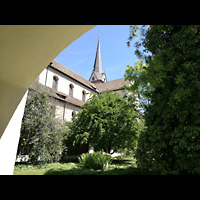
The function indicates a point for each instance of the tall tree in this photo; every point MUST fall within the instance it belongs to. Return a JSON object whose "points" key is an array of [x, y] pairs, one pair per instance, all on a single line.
{"points": [[41, 134], [106, 122], [171, 141]]}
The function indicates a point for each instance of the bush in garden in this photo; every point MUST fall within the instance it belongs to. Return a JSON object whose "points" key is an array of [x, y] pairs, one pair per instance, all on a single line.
{"points": [[95, 160]]}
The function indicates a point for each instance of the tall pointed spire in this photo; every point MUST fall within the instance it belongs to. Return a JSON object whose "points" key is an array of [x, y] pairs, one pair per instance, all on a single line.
{"points": [[97, 74], [98, 63]]}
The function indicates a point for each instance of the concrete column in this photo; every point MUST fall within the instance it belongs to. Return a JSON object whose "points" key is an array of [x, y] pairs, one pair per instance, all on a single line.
{"points": [[10, 139]]}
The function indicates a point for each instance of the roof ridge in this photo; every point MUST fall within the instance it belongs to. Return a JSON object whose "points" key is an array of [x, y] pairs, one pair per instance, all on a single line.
{"points": [[70, 70], [114, 80], [72, 74], [112, 85]]}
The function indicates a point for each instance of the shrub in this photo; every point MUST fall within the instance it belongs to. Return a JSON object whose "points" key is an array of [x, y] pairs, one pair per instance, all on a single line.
{"points": [[95, 161]]}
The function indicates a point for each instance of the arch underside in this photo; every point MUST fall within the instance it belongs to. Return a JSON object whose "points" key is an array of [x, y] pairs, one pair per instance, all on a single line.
{"points": [[25, 51]]}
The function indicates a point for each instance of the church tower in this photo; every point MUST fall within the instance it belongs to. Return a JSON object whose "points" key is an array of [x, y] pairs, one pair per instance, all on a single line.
{"points": [[98, 76]]}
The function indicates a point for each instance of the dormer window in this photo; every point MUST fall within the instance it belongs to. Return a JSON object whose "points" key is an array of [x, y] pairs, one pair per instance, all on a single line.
{"points": [[71, 89], [61, 96]]}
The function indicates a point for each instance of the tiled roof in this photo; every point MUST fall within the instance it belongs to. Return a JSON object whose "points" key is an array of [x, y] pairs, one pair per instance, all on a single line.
{"points": [[68, 98], [57, 95], [112, 85], [56, 65]]}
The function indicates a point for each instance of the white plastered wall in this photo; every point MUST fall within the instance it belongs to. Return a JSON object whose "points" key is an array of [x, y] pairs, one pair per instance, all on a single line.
{"points": [[63, 83]]}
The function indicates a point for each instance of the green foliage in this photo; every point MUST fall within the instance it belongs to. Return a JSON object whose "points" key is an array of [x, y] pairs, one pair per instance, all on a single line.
{"points": [[141, 87], [41, 134], [133, 33], [170, 144], [95, 160], [124, 165], [106, 122]]}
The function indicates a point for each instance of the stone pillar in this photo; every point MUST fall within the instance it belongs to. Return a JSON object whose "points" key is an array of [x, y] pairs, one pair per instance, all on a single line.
{"points": [[10, 139]]}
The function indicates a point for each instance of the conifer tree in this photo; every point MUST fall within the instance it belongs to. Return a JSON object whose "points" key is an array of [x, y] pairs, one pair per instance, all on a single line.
{"points": [[41, 134]]}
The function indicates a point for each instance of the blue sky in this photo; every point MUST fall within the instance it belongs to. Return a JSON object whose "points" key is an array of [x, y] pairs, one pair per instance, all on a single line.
{"points": [[115, 55]]}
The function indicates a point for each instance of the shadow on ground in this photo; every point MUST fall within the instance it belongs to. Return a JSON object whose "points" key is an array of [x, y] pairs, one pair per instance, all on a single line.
{"points": [[122, 162], [84, 171]]}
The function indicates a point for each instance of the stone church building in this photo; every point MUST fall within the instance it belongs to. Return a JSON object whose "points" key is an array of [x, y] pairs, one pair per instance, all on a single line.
{"points": [[69, 91]]}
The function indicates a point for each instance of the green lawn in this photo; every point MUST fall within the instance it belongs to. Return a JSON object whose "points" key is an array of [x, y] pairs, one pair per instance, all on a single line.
{"points": [[120, 166]]}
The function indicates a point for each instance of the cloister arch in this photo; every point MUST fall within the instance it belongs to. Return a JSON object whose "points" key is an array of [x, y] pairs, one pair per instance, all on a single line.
{"points": [[25, 50]]}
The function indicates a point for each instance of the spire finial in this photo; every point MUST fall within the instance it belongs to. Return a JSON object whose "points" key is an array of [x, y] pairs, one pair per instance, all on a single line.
{"points": [[99, 35]]}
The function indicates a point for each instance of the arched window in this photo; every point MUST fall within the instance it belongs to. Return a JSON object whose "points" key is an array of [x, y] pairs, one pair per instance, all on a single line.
{"points": [[73, 113], [71, 88], [55, 82], [83, 95]]}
